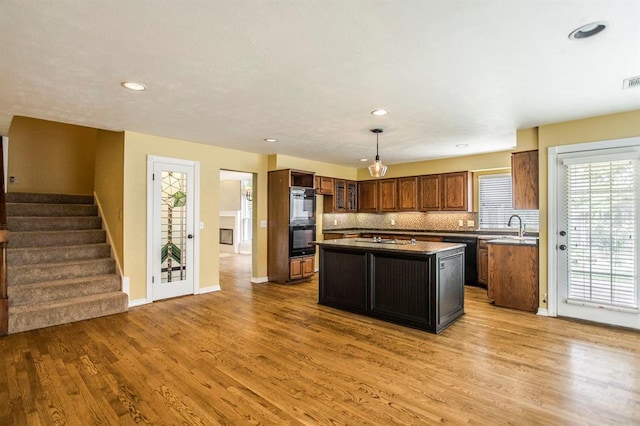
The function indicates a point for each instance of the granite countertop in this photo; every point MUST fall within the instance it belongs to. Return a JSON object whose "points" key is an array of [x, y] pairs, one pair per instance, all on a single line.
{"points": [[478, 234], [514, 241], [390, 245]]}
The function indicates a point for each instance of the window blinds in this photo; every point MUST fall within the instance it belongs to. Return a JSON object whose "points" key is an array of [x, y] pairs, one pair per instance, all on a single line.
{"points": [[495, 204], [601, 219]]}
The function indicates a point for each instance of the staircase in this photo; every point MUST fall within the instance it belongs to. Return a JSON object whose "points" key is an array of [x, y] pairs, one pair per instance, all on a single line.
{"points": [[59, 264]]}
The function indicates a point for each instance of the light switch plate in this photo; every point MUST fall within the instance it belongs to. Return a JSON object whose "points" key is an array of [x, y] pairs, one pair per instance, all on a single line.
{"points": [[471, 223], [461, 222], [263, 224]]}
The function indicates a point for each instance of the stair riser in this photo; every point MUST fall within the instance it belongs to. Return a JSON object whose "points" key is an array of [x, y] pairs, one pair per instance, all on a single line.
{"points": [[23, 197], [112, 303], [40, 273], [56, 238], [16, 224], [35, 255], [48, 292], [28, 209]]}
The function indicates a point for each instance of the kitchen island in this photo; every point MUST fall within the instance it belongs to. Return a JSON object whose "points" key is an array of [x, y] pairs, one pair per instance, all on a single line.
{"points": [[417, 284]]}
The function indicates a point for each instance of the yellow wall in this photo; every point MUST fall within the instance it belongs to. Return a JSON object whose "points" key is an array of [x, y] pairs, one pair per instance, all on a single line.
{"points": [[322, 169], [495, 160], [50, 157], [230, 195], [606, 127], [109, 185], [212, 159]]}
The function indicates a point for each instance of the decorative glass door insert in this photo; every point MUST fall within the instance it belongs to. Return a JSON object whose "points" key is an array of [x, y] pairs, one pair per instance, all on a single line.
{"points": [[173, 252]]}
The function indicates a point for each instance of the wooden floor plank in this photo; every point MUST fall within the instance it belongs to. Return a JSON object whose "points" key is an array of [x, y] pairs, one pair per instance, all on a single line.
{"points": [[269, 354]]}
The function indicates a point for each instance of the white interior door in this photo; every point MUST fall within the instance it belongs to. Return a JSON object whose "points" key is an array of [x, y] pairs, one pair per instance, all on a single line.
{"points": [[173, 228], [597, 236]]}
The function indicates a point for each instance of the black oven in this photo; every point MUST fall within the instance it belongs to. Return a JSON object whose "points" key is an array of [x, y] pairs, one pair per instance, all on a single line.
{"points": [[299, 239], [302, 206]]}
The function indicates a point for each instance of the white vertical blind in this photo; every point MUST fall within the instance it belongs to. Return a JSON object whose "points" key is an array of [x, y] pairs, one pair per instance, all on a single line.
{"points": [[601, 218], [495, 201]]}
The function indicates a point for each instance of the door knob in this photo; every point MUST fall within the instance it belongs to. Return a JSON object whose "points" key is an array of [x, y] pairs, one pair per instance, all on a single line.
{"points": [[190, 236], [562, 247]]}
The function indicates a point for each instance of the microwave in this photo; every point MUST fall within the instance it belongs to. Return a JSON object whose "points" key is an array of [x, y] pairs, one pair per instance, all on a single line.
{"points": [[302, 206]]}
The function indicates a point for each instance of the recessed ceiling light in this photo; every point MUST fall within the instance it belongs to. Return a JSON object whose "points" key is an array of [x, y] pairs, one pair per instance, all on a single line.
{"points": [[132, 85], [379, 112], [270, 140], [462, 145], [588, 30], [364, 159]]}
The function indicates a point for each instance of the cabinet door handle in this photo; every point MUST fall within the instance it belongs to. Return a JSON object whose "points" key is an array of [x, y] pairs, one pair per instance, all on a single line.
{"points": [[441, 264]]}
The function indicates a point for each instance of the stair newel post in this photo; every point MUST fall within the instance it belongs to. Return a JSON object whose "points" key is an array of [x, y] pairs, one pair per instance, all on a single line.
{"points": [[4, 238]]}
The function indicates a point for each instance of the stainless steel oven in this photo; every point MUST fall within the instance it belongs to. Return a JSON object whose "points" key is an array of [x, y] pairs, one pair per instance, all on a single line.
{"points": [[299, 238], [302, 206]]}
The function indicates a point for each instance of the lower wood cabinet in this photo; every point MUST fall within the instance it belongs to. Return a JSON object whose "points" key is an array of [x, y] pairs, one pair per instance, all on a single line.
{"points": [[483, 262], [513, 276], [301, 267]]}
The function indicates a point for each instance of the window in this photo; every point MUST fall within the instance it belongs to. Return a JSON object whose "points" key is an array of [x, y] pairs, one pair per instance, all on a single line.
{"points": [[495, 204], [601, 225]]}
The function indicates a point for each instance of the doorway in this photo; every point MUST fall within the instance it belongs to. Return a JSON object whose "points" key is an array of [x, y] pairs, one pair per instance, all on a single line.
{"points": [[172, 258], [593, 232], [236, 223]]}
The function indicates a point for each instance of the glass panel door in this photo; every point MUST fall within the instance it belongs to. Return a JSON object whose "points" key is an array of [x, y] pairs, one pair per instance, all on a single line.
{"points": [[173, 230]]}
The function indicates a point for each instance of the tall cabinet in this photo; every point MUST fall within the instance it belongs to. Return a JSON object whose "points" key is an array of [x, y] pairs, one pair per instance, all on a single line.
{"points": [[283, 268]]}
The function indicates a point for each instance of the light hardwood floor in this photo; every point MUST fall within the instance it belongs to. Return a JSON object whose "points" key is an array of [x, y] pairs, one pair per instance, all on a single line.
{"points": [[268, 354]]}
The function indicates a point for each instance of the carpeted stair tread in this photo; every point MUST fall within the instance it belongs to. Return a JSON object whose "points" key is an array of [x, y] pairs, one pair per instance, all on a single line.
{"points": [[38, 255], [49, 291], [42, 198], [45, 314], [48, 223], [37, 209], [26, 274], [56, 238]]}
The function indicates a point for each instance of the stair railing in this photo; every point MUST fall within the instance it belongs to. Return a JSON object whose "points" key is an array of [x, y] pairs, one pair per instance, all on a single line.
{"points": [[4, 239]]}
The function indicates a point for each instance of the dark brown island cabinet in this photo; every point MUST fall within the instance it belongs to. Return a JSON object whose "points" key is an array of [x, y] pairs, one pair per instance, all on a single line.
{"points": [[417, 284]]}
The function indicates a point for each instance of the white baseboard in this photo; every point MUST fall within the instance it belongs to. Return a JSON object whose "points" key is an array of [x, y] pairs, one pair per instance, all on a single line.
{"points": [[138, 302], [209, 289], [126, 286], [259, 280], [543, 312]]}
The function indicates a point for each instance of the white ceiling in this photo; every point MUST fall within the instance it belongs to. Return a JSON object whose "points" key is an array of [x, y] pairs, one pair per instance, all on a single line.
{"points": [[309, 72]]}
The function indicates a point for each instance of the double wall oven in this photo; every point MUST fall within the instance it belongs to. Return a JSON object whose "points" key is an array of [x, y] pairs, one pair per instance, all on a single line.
{"points": [[302, 221]]}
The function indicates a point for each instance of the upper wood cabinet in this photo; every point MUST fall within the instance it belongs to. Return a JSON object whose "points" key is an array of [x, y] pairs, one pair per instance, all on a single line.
{"points": [[368, 196], [456, 191], [352, 196], [345, 197], [408, 194], [524, 175], [324, 185], [429, 193], [388, 195], [339, 196]]}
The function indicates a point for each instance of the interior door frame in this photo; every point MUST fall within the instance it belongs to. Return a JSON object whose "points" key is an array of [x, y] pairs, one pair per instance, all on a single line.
{"points": [[151, 160], [553, 207]]}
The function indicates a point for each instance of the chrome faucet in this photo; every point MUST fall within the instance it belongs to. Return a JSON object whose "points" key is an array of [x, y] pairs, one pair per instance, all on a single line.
{"points": [[521, 227]]}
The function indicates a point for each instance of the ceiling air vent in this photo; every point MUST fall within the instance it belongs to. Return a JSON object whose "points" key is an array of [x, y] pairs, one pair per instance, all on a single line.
{"points": [[629, 83]]}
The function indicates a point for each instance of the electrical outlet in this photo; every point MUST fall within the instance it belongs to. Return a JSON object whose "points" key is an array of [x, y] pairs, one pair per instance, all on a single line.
{"points": [[335, 221], [471, 223], [393, 221], [263, 223], [461, 222], [13, 179]]}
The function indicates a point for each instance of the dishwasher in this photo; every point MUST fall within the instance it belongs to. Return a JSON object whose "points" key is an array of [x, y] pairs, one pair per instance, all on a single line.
{"points": [[470, 256]]}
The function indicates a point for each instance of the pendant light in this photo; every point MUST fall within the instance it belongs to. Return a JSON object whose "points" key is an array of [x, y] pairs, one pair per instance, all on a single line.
{"points": [[377, 169]]}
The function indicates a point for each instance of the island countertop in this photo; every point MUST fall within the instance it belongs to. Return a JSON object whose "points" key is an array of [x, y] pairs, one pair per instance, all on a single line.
{"points": [[390, 245]]}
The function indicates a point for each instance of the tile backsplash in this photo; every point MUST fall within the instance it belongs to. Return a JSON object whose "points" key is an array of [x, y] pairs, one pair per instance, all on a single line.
{"points": [[433, 221]]}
